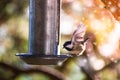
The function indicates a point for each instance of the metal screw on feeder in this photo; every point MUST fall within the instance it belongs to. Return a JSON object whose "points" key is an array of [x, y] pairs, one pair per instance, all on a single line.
{"points": [[43, 33]]}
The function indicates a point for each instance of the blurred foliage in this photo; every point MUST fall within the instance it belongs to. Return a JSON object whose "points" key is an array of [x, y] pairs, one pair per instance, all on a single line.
{"points": [[11, 8], [32, 77], [14, 39]]}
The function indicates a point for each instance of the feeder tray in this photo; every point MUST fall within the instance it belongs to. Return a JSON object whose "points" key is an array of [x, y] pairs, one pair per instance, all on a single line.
{"points": [[43, 60]]}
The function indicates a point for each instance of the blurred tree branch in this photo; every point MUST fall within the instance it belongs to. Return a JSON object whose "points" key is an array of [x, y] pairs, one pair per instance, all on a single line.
{"points": [[52, 73]]}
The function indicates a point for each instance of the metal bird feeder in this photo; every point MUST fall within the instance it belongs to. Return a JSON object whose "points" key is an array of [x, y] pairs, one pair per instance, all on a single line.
{"points": [[43, 33]]}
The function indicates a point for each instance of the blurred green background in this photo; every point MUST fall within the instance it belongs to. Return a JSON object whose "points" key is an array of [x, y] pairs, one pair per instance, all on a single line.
{"points": [[14, 27]]}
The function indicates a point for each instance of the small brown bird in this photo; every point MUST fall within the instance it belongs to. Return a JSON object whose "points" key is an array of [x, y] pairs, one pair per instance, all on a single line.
{"points": [[77, 45]]}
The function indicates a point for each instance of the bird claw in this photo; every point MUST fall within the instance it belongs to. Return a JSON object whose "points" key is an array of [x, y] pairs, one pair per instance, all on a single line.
{"points": [[83, 48]]}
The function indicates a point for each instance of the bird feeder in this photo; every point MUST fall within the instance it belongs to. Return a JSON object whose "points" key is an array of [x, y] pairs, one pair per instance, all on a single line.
{"points": [[44, 33]]}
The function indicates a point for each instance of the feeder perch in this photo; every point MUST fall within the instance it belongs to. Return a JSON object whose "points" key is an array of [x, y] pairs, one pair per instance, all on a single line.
{"points": [[43, 33]]}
